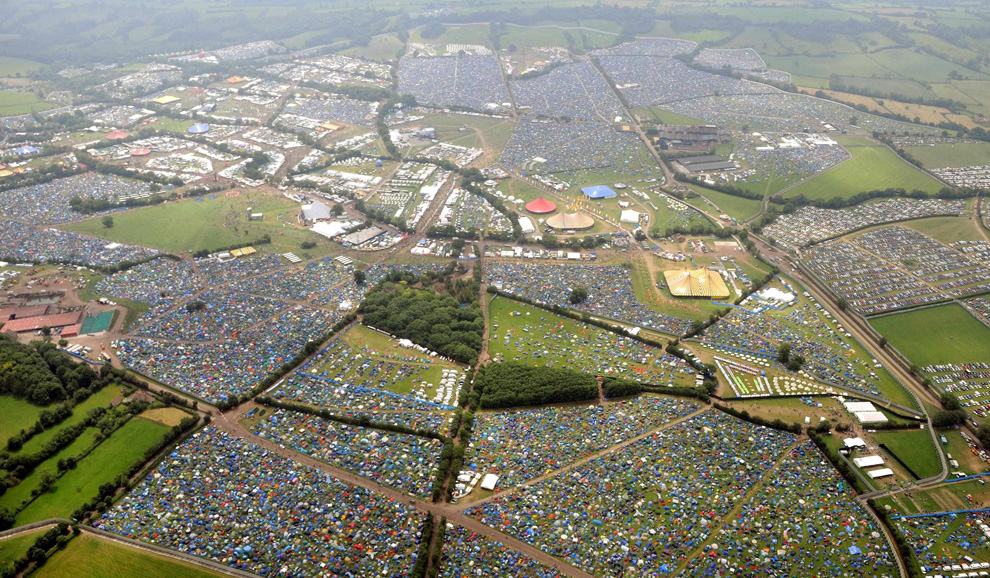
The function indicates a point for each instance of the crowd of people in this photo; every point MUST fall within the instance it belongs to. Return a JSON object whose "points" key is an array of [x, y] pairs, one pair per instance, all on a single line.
{"points": [[553, 146], [468, 81], [403, 461], [218, 497], [646, 507], [574, 91], [806, 521], [609, 289], [48, 203], [24, 243], [810, 225], [467, 553], [512, 444], [539, 337]]}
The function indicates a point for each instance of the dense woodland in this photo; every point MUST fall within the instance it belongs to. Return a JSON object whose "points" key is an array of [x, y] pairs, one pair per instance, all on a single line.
{"points": [[516, 384], [437, 322], [41, 374]]}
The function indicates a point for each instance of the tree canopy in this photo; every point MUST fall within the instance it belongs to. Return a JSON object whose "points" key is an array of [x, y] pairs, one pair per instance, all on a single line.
{"points": [[437, 322]]}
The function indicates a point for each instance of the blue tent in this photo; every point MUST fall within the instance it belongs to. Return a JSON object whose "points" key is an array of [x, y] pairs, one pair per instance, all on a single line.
{"points": [[599, 192], [26, 150], [855, 550], [199, 128]]}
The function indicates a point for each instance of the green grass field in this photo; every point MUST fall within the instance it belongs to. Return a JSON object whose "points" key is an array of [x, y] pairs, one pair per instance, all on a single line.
{"points": [[10, 66], [383, 48], [14, 548], [209, 223], [113, 457], [17, 415], [96, 557], [471, 131], [736, 207], [914, 447], [14, 498], [14, 103], [951, 155], [943, 334], [948, 229], [871, 167]]}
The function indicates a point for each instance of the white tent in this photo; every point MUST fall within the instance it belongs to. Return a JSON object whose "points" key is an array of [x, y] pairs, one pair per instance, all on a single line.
{"points": [[629, 216], [867, 417], [868, 461], [489, 481], [881, 473], [851, 443], [859, 406]]}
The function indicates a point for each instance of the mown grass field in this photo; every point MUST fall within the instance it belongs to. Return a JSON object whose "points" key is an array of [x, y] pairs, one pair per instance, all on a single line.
{"points": [[534, 36], [373, 344], [943, 334], [113, 457], [951, 155], [948, 229], [914, 448], [872, 167], [95, 557], [209, 223], [17, 415]]}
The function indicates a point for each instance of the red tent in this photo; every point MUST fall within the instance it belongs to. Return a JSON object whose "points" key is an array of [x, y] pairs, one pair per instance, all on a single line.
{"points": [[541, 206]]}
